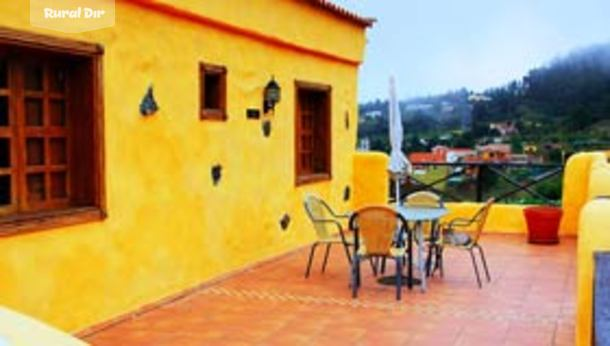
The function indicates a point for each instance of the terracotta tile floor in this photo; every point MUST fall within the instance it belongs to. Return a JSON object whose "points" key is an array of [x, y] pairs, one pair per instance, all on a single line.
{"points": [[530, 301]]}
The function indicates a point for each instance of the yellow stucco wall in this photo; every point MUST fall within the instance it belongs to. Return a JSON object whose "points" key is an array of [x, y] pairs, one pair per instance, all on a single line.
{"points": [[599, 179], [371, 187], [576, 189], [370, 179], [593, 236], [502, 218], [273, 18], [168, 227]]}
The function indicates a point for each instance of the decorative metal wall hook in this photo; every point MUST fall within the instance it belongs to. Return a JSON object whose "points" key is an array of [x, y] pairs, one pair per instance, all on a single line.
{"points": [[347, 193], [266, 125], [216, 174], [148, 106], [285, 221], [347, 120]]}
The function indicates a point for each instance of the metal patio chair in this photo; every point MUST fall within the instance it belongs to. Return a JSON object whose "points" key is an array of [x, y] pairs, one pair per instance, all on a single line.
{"points": [[378, 233], [454, 236], [329, 229], [427, 199]]}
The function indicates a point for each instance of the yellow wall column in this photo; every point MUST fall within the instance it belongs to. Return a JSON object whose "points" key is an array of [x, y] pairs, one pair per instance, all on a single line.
{"points": [[575, 190], [370, 179], [593, 236], [599, 179]]}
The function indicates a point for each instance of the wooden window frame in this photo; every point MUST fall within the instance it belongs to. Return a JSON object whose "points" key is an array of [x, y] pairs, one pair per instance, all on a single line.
{"points": [[218, 114], [23, 222], [300, 178]]}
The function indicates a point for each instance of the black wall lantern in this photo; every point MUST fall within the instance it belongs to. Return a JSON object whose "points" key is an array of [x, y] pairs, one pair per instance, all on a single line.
{"points": [[272, 95]]}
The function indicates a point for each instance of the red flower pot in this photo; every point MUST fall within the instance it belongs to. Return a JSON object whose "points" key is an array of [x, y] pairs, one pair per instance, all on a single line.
{"points": [[543, 224]]}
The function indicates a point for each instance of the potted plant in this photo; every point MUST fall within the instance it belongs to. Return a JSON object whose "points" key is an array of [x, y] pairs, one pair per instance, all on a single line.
{"points": [[543, 224]]}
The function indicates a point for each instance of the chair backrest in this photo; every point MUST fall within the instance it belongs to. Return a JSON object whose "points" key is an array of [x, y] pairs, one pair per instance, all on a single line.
{"points": [[319, 213], [480, 218], [375, 227], [424, 199]]}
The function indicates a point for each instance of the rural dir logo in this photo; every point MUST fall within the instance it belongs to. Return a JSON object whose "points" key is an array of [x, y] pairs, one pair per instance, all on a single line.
{"points": [[51, 13], [72, 15]]}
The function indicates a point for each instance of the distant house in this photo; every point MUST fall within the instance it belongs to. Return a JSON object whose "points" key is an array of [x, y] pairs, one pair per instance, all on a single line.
{"points": [[474, 98], [494, 152], [441, 154], [505, 128], [453, 155], [373, 114], [418, 158], [422, 107]]}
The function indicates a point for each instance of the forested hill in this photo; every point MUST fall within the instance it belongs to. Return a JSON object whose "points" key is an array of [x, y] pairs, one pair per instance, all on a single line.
{"points": [[567, 101], [564, 104]]}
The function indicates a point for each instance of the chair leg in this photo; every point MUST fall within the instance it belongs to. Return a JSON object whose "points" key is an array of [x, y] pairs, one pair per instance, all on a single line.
{"points": [[484, 262], [383, 265], [311, 254], [326, 257], [441, 261], [358, 277], [429, 260], [349, 256], [476, 268], [398, 278], [354, 277], [374, 265]]}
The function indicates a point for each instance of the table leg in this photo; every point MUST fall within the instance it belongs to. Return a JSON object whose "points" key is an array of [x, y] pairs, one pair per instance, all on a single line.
{"points": [[410, 259], [420, 255]]}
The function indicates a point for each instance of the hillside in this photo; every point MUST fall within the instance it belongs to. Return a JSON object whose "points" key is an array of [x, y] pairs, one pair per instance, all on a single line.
{"points": [[564, 105]]}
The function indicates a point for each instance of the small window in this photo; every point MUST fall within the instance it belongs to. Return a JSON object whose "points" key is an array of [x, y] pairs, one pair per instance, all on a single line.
{"points": [[213, 92], [313, 137]]}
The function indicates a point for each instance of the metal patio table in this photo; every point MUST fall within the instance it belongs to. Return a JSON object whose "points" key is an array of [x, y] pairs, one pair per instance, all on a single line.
{"points": [[417, 216]]}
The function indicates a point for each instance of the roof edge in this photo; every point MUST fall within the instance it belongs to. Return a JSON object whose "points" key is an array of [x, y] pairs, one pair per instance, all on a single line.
{"points": [[343, 13]]}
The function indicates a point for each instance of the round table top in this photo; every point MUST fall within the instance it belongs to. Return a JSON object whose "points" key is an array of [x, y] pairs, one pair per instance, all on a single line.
{"points": [[421, 213]]}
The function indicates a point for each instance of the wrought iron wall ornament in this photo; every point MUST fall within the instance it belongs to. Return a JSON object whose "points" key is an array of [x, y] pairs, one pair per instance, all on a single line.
{"points": [[216, 174], [253, 113], [148, 106], [266, 125], [347, 120], [285, 221]]}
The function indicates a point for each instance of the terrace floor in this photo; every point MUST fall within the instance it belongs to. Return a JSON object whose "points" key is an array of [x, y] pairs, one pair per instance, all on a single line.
{"points": [[530, 301]]}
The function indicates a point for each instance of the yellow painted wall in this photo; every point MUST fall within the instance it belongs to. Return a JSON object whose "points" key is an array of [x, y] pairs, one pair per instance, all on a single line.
{"points": [[593, 236], [371, 187], [370, 179], [599, 179], [168, 227], [272, 17], [502, 218], [576, 189]]}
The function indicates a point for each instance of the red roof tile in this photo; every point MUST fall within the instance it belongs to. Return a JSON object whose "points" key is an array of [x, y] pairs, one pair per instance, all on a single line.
{"points": [[342, 12], [419, 157]]}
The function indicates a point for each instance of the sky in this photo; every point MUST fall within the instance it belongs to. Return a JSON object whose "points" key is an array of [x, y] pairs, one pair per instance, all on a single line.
{"points": [[432, 46]]}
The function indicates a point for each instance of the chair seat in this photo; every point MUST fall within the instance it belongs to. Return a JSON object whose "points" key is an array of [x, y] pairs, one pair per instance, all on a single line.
{"points": [[456, 238], [394, 252]]}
